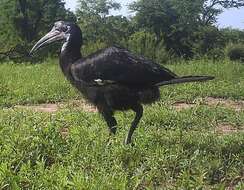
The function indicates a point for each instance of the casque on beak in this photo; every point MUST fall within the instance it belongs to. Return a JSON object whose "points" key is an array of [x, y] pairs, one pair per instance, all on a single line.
{"points": [[49, 38]]}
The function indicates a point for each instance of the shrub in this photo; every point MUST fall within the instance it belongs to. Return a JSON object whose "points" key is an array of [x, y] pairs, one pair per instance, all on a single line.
{"points": [[143, 43], [216, 54], [146, 44], [208, 42], [92, 47], [236, 52]]}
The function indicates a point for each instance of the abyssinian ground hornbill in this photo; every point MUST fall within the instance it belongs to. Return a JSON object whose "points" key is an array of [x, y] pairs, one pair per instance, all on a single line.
{"points": [[113, 78]]}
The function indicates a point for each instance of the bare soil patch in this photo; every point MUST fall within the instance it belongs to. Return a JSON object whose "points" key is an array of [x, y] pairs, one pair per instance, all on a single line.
{"points": [[226, 128], [48, 108], [179, 106], [183, 105], [82, 104], [55, 107], [214, 102], [64, 132], [236, 105]]}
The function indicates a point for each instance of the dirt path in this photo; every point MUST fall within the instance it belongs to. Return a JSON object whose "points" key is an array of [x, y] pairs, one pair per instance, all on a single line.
{"points": [[226, 128], [83, 105], [221, 128], [213, 102], [55, 107]]}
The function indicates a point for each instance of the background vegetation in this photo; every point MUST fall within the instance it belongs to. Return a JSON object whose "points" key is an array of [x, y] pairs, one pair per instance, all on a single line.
{"points": [[159, 29]]}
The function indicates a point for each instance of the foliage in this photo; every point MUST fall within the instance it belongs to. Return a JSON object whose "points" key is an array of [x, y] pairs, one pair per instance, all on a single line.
{"points": [[102, 8], [145, 44], [208, 41], [8, 34], [91, 47], [177, 21], [236, 52], [24, 21], [216, 54], [234, 36], [98, 25], [167, 20], [160, 29]]}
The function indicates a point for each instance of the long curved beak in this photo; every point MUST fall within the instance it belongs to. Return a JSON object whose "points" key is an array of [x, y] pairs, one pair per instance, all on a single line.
{"points": [[49, 38]]}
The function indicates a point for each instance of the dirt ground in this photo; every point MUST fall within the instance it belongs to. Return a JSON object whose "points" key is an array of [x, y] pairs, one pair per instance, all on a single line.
{"points": [[55, 107], [221, 128], [83, 105], [214, 102]]}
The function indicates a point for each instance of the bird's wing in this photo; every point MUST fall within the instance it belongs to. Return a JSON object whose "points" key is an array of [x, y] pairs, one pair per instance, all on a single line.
{"points": [[118, 65]]}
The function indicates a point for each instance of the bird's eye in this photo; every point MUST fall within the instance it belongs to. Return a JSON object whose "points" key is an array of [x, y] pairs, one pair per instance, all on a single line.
{"points": [[61, 28], [64, 28]]}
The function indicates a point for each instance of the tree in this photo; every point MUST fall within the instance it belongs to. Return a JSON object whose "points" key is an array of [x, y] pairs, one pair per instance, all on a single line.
{"points": [[171, 20], [178, 22], [212, 8], [25, 21], [234, 36], [101, 8], [98, 25]]}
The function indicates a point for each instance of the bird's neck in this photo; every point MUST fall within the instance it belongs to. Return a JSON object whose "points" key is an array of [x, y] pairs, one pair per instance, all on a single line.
{"points": [[69, 55]]}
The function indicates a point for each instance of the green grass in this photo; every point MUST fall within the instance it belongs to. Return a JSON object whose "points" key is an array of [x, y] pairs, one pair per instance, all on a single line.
{"points": [[28, 84], [173, 149], [43, 83]]}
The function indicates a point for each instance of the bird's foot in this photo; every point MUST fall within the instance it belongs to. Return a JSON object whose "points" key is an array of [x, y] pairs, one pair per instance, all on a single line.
{"points": [[128, 142], [111, 139]]}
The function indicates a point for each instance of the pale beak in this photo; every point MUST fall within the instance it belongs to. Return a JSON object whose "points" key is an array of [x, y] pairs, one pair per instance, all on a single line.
{"points": [[49, 38]]}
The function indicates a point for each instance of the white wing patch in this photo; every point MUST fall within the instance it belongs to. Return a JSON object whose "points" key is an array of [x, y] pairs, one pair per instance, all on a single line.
{"points": [[101, 82]]}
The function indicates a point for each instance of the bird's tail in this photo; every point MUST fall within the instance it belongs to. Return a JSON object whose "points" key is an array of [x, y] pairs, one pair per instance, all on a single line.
{"points": [[185, 79]]}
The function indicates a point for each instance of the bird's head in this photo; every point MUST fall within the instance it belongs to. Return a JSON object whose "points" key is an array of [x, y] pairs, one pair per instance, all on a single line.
{"points": [[66, 32]]}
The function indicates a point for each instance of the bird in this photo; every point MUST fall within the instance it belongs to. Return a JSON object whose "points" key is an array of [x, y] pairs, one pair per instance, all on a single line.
{"points": [[113, 79]]}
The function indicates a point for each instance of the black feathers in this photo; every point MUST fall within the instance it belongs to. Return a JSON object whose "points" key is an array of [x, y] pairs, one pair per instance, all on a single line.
{"points": [[112, 78], [120, 66]]}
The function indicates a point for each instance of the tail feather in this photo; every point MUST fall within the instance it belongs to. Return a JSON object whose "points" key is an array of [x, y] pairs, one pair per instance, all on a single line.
{"points": [[185, 79]]}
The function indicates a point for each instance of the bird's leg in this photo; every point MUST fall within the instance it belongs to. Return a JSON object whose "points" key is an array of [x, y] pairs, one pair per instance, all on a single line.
{"points": [[110, 120], [112, 123], [139, 111]]}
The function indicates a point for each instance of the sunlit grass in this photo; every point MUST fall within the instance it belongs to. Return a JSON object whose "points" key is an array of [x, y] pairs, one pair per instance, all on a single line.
{"points": [[28, 84], [69, 150]]}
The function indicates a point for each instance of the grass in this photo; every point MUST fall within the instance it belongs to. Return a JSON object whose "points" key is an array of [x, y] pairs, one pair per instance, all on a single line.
{"points": [[173, 149]]}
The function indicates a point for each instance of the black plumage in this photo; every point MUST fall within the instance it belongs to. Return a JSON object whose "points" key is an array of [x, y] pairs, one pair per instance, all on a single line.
{"points": [[113, 78]]}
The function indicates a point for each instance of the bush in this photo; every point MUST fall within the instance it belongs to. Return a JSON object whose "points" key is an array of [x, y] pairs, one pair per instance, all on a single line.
{"points": [[92, 47], [233, 35], [216, 54], [236, 52], [209, 42], [143, 43], [146, 44]]}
